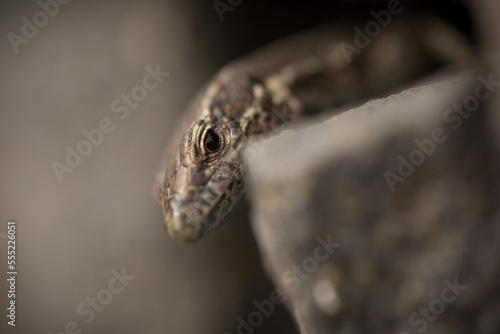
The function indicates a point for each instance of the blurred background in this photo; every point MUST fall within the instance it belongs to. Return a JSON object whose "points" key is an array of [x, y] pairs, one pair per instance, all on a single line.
{"points": [[76, 233]]}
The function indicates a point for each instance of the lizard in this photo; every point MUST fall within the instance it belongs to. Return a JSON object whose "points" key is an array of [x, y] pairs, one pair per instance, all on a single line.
{"points": [[202, 174]]}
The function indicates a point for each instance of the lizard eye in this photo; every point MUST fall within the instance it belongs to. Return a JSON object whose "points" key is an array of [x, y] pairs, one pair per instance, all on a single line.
{"points": [[212, 141]]}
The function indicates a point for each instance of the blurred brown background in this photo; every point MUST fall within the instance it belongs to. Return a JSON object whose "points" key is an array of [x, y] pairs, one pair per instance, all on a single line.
{"points": [[102, 217]]}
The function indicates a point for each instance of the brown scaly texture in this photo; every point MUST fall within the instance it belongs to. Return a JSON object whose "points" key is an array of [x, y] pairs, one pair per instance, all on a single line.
{"points": [[252, 97]]}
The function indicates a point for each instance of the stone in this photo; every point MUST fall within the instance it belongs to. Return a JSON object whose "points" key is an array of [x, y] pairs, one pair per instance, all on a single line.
{"points": [[384, 219]]}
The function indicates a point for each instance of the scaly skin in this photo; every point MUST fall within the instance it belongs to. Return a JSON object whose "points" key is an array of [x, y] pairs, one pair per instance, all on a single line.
{"points": [[202, 176], [202, 187]]}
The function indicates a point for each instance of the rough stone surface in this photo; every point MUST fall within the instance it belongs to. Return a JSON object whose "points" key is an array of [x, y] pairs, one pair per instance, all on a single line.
{"points": [[356, 253], [72, 234]]}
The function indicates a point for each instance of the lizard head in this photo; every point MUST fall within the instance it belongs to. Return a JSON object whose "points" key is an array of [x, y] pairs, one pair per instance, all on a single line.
{"points": [[205, 177], [205, 180]]}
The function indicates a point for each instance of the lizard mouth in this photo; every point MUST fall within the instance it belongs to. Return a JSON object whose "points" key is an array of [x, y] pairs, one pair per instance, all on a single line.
{"points": [[191, 215], [185, 224], [178, 224]]}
